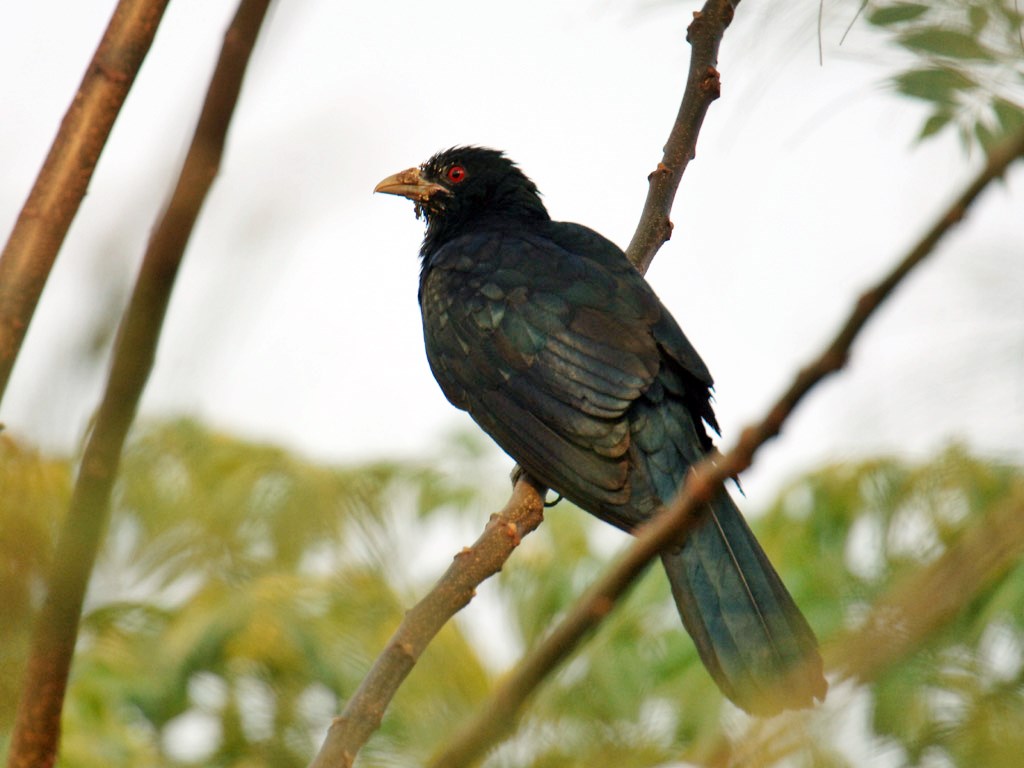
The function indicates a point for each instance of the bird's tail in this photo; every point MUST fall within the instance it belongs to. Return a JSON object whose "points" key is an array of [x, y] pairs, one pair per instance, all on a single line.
{"points": [[750, 634]]}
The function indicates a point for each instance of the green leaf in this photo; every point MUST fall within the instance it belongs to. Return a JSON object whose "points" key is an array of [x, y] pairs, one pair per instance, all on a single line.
{"points": [[946, 42], [934, 124], [894, 14], [1009, 115], [978, 17], [936, 84], [986, 138]]}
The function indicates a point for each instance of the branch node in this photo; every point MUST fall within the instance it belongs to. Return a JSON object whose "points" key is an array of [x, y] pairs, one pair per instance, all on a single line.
{"points": [[698, 17], [512, 531], [712, 82], [661, 169], [832, 361], [407, 650]]}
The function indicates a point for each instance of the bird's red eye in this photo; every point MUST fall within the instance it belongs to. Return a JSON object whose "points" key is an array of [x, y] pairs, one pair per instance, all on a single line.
{"points": [[456, 174]]}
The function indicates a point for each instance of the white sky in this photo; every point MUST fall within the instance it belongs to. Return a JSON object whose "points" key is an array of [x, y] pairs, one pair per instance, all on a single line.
{"points": [[295, 316]]}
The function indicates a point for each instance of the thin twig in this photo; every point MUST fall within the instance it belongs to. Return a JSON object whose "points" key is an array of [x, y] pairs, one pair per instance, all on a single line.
{"points": [[702, 87], [61, 184], [452, 592], [499, 713], [37, 727]]}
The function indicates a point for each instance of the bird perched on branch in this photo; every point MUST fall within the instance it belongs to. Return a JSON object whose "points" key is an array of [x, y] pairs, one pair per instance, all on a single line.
{"points": [[559, 349]]}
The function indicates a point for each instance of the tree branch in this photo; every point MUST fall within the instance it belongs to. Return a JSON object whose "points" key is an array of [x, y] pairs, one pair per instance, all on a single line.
{"points": [[499, 713], [61, 184], [37, 726], [702, 87]]}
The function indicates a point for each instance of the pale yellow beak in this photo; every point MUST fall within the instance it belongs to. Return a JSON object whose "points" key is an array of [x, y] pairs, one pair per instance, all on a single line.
{"points": [[408, 183]]}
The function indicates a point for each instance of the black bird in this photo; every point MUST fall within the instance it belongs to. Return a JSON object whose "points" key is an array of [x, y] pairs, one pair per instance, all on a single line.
{"points": [[559, 349]]}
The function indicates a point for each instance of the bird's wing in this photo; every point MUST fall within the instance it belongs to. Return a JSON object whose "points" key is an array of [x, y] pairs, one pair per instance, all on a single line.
{"points": [[546, 349], [684, 372]]}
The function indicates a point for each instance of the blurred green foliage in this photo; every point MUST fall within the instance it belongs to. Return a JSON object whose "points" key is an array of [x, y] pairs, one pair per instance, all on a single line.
{"points": [[966, 64], [243, 592], [872, 529]]}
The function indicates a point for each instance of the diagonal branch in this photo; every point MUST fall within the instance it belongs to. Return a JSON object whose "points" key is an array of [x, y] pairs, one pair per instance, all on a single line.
{"points": [[60, 187], [498, 714], [37, 727], [365, 709]]}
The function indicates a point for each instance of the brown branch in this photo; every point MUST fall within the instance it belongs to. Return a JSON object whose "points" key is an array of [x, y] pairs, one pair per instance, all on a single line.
{"points": [[452, 592], [60, 187], [364, 710], [37, 726], [702, 87], [499, 713]]}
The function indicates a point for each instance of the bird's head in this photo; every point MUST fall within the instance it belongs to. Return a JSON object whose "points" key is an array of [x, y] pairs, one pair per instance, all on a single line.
{"points": [[461, 185]]}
